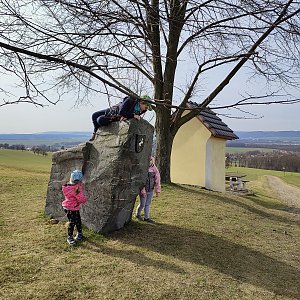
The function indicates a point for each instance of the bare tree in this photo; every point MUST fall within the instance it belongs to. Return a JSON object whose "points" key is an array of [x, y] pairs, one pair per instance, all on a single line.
{"points": [[108, 46]]}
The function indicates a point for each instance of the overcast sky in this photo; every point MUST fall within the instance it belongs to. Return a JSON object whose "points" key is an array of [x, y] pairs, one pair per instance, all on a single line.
{"points": [[26, 118]]}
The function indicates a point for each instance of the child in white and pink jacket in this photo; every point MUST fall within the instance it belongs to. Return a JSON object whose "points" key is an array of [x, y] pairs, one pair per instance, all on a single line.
{"points": [[74, 197], [146, 194]]}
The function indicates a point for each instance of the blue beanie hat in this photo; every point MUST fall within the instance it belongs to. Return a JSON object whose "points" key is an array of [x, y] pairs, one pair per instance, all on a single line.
{"points": [[76, 176]]}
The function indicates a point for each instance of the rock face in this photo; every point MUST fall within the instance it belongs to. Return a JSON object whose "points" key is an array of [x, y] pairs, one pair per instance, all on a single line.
{"points": [[115, 167]]}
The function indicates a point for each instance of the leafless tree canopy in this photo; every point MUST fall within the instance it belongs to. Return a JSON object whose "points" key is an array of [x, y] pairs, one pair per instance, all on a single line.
{"points": [[118, 47]]}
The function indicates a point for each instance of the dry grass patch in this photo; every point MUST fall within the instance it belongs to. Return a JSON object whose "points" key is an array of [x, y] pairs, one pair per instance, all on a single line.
{"points": [[205, 245]]}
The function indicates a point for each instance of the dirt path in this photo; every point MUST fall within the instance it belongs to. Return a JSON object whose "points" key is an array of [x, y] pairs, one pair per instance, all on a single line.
{"points": [[289, 195]]}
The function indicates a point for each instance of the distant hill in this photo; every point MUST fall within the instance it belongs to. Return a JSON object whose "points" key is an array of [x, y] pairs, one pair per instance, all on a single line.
{"points": [[44, 135], [278, 139], [72, 138], [46, 138], [267, 134]]}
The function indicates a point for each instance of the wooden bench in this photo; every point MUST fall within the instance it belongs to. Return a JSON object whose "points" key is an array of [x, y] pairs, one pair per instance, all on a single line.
{"points": [[236, 181], [244, 182]]}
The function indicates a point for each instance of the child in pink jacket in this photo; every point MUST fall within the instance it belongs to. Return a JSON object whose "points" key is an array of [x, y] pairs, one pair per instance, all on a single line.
{"points": [[74, 197], [146, 194]]}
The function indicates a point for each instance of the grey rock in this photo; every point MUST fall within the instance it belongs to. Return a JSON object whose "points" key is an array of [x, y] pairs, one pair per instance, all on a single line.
{"points": [[115, 167]]}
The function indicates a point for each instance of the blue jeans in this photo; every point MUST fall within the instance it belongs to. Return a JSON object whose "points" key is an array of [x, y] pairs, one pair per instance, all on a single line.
{"points": [[145, 204], [100, 118]]}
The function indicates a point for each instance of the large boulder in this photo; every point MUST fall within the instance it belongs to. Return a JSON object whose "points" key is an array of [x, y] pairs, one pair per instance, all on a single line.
{"points": [[115, 167]]}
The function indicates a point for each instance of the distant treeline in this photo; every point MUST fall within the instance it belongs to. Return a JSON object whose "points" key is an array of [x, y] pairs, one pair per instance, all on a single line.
{"points": [[277, 160], [13, 147], [43, 147], [293, 148], [40, 149]]}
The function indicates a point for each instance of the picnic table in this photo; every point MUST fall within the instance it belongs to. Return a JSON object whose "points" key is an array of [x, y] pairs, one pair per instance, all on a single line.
{"points": [[236, 181]]}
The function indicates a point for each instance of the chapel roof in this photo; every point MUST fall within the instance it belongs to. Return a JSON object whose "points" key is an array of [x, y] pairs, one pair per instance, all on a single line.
{"points": [[214, 124]]}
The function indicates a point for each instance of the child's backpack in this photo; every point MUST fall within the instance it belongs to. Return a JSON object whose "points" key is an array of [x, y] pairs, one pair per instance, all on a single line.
{"points": [[113, 112]]}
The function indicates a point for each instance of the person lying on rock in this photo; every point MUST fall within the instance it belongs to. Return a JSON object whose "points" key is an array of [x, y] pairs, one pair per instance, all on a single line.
{"points": [[131, 107]]}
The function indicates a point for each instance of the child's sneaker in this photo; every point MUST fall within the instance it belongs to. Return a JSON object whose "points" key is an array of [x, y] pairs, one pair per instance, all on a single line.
{"points": [[139, 217], [149, 221], [79, 237], [71, 240]]}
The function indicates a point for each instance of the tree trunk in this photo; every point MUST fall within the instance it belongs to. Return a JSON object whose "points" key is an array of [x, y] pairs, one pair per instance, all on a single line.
{"points": [[164, 141]]}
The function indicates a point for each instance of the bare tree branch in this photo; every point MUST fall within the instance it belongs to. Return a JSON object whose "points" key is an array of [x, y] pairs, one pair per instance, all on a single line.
{"points": [[141, 46]]}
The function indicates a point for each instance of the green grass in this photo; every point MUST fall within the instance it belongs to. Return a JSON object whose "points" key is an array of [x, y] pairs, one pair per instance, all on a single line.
{"points": [[233, 150], [25, 160], [255, 174], [205, 245]]}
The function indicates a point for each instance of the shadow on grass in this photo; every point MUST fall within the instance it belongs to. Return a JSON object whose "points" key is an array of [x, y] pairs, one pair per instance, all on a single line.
{"points": [[257, 211], [237, 261], [136, 257], [231, 201], [277, 206]]}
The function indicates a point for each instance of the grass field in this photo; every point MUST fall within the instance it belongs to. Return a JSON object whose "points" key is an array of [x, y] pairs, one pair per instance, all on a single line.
{"points": [[232, 150], [256, 174], [25, 160], [205, 245]]}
